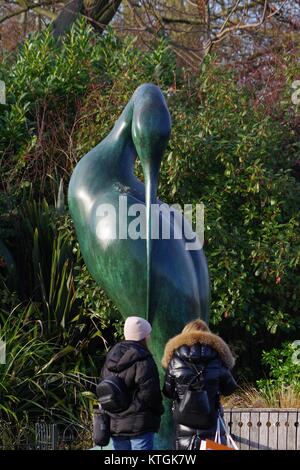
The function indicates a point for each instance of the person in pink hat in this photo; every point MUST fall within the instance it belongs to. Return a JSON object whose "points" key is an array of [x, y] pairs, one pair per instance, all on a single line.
{"points": [[131, 360]]}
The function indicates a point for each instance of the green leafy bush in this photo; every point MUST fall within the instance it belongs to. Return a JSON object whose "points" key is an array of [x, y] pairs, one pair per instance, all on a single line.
{"points": [[39, 376], [284, 370], [237, 160]]}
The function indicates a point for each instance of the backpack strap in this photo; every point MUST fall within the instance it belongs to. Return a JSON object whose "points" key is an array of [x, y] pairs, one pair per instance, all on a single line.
{"points": [[199, 373]]}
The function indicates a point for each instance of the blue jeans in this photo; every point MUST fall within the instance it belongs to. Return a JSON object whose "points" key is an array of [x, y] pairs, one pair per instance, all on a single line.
{"points": [[141, 442]]}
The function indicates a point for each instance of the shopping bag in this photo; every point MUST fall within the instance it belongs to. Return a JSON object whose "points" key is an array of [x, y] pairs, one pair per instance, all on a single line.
{"points": [[208, 444], [212, 445], [229, 439]]}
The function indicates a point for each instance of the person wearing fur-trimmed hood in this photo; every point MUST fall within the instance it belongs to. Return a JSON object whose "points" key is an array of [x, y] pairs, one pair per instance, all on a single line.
{"points": [[193, 354]]}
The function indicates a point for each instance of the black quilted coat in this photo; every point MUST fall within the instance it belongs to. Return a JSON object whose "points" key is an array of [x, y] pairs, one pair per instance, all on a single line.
{"points": [[133, 362], [200, 349]]}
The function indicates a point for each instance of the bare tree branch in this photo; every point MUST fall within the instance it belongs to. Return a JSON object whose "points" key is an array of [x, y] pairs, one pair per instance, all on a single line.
{"points": [[31, 7], [239, 27]]}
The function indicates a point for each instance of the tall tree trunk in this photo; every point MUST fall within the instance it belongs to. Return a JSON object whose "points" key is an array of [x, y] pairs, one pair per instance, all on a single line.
{"points": [[99, 13]]}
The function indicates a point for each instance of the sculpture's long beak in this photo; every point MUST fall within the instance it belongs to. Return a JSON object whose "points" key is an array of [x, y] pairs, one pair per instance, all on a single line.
{"points": [[151, 126], [151, 170]]}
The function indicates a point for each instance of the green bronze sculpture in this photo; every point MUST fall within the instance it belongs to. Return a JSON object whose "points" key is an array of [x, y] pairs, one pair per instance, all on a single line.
{"points": [[156, 278]]}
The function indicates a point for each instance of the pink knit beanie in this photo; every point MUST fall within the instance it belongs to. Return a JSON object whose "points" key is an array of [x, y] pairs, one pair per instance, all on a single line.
{"points": [[136, 329]]}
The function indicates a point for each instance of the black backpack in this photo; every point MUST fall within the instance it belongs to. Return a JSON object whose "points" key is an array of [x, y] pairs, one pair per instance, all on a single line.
{"points": [[194, 410], [113, 394]]}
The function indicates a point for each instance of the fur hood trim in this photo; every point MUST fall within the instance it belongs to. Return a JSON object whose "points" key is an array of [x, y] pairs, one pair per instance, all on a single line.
{"points": [[201, 337]]}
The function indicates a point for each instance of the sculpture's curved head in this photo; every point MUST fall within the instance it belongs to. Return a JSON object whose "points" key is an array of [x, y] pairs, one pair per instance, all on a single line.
{"points": [[151, 128]]}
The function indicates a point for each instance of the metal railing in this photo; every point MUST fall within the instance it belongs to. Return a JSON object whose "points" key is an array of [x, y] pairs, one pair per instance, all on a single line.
{"points": [[251, 428], [264, 428], [41, 435]]}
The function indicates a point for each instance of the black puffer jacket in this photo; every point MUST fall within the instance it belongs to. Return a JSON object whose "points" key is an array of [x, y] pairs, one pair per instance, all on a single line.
{"points": [[133, 362], [198, 348]]}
